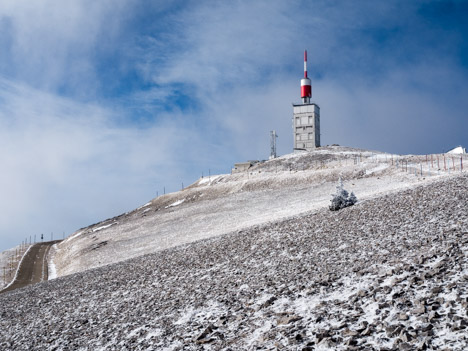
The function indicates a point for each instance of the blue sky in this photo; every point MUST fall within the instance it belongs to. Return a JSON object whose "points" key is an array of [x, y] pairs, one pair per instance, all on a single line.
{"points": [[105, 103]]}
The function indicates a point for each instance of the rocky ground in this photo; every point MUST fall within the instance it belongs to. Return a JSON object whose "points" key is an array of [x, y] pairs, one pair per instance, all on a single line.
{"points": [[390, 273]]}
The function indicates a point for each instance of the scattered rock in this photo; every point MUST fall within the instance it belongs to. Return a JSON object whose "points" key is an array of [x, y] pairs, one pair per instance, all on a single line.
{"points": [[418, 310], [402, 316]]}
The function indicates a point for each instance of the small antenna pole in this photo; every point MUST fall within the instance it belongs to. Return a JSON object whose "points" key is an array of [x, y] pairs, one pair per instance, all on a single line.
{"points": [[273, 137]]}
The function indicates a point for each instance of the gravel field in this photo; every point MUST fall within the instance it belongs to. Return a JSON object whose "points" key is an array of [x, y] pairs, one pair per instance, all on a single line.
{"points": [[390, 273]]}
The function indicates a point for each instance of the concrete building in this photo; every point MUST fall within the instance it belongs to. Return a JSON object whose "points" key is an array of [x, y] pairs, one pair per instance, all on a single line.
{"points": [[306, 126], [306, 117]]}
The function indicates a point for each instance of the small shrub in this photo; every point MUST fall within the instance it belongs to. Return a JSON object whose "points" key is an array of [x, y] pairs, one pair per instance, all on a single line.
{"points": [[341, 198]]}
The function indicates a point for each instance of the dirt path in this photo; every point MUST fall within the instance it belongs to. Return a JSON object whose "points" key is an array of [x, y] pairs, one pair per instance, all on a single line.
{"points": [[33, 267]]}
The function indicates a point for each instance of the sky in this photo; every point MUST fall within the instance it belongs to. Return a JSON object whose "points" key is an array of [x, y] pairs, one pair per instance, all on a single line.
{"points": [[106, 104]]}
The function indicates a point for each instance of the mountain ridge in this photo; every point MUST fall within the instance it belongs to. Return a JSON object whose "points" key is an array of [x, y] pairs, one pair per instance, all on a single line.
{"points": [[215, 205]]}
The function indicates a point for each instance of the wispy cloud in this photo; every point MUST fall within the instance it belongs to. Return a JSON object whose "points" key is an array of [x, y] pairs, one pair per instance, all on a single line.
{"points": [[66, 164], [55, 45]]}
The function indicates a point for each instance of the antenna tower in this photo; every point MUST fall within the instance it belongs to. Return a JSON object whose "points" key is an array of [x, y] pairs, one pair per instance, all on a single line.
{"points": [[273, 137]]}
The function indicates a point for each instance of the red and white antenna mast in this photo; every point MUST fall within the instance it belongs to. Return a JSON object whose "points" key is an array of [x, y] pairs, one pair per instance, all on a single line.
{"points": [[306, 85]]}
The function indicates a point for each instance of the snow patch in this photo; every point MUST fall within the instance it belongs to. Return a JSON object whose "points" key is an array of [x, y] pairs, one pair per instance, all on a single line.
{"points": [[209, 180], [145, 205], [186, 316], [103, 227], [51, 266], [257, 334], [74, 236], [209, 312], [177, 203]]}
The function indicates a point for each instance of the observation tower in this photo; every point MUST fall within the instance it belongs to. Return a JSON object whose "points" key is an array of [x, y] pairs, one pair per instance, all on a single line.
{"points": [[306, 117]]}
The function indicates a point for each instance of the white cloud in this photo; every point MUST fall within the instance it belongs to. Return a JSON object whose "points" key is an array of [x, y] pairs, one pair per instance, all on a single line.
{"points": [[52, 44], [418, 110], [211, 46], [66, 163]]}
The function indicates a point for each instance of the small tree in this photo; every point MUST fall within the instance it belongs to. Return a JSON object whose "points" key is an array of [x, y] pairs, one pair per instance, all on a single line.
{"points": [[341, 198]]}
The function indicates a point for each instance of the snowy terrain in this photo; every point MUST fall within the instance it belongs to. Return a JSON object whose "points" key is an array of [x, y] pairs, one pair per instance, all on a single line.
{"points": [[273, 190], [52, 271], [390, 273]]}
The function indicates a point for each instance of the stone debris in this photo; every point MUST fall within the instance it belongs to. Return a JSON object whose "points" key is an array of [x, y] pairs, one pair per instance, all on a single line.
{"points": [[389, 273]]}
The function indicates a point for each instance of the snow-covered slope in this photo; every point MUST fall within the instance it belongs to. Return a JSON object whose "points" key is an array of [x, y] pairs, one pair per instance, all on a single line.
{"points": [[273, 190], [390, 273], [9, 261]]}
